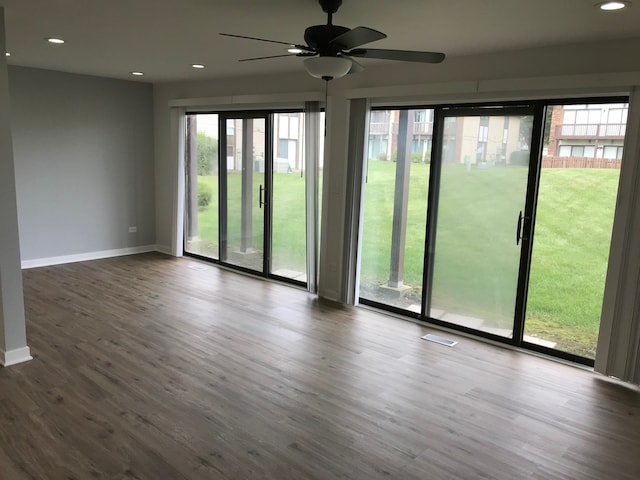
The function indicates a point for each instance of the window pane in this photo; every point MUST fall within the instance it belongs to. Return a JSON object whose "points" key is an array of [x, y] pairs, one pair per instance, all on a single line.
{"points": [[569, 116], [565, 151], [289, 249], [202, 185], [615, 115], [610, 152], [589, 151], [574, 218], [582, 116], [395, 208]]}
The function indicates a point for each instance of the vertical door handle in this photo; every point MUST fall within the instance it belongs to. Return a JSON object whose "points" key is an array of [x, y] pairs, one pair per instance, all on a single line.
{"points": [[519, 228], [260, 202]]}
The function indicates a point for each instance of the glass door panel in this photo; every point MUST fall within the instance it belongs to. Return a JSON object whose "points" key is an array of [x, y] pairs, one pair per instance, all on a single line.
{"points": [[288, 208], [395, 207], [201, 158], [482, 191], [574, 218], [243, 191]]}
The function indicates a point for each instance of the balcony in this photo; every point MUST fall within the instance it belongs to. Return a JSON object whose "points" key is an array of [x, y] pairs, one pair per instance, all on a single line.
{"points": [[423, 128], [594, 130], [378, 128], [382, 128]]}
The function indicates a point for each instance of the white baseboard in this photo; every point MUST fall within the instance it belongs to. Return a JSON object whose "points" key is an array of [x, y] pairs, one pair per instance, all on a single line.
{"points": [[13, 357], [83, 257], [163, 249]]}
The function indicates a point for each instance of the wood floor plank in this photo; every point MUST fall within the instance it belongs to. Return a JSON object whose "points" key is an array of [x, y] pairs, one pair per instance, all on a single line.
{"points": [[148, 368]]}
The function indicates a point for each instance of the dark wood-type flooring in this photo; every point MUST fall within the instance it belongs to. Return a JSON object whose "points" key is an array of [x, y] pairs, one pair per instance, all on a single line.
{"points": [[153, 367]]}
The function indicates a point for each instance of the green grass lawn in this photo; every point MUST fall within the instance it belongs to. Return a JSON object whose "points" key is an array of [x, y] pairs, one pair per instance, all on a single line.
{"points": [[476, 258], [289, 230], [570, 256]]}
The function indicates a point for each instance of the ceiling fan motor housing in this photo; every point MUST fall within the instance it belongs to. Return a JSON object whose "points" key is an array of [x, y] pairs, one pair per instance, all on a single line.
{"points": [[330, 6], [320, 36]]}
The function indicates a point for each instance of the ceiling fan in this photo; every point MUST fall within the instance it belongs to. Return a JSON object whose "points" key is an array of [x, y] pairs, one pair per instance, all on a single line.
{"points": [[330, 49]]}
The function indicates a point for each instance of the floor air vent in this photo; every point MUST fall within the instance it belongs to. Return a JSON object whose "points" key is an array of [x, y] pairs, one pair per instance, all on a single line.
{"points": [[441, 340], [197, 268]]}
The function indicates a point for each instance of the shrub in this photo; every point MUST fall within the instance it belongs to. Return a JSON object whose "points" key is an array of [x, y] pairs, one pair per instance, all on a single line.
{"points": [[416, 157], [207, 152], [204, 195]]}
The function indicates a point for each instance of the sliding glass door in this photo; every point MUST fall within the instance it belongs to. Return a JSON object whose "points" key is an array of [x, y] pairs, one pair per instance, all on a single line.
{"points": [[243, 192], [247, 191], [495, 220], [482, 160]]}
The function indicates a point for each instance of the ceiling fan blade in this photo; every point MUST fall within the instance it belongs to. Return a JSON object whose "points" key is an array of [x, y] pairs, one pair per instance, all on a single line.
{"points": [[356, 37], [271, 56], [301, 47], [400, 55], [355, 67]]}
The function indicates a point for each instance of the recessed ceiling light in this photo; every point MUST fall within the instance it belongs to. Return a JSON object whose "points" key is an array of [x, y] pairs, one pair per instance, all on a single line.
{"points": [[197, 65], [7, 54], [612, 5], [57, 41], [294, 50], [137, 74]]}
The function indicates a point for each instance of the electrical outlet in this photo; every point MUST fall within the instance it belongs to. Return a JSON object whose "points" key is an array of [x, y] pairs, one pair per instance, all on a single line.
{"points": [[133, 229]]}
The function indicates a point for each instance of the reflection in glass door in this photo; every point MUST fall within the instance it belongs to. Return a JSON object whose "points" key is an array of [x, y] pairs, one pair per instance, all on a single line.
{"points": [[243, 191], [483, 177]]}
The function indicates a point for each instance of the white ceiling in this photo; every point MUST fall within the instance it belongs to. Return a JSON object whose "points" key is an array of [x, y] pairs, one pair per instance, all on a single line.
{"points": [[163, 37]]}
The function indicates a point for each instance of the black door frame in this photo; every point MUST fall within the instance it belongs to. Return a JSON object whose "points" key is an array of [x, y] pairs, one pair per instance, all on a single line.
{"points": [[263, 196], [440, 114]]}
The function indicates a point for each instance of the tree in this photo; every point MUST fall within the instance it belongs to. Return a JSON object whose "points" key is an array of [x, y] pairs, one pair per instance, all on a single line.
{"points": [[207, 148], [547, 126]]}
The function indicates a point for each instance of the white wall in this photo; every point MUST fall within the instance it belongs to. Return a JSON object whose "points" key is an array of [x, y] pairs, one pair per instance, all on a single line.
{"points": [[83, 149], [597, 58]]}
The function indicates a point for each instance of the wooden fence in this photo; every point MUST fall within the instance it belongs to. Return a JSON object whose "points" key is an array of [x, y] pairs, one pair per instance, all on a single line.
{"points": [[579, 162]]}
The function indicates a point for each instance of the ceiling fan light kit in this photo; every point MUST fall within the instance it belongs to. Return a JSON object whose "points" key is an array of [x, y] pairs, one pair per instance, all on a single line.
{"points": [[329, 47], [327, 68]]}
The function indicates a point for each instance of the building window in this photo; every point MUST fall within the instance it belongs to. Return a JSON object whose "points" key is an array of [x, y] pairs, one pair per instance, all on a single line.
{"points": [[612, 152], [585, 151], [379, 116], [378, 147], [283, 148], [417, 145], [577, 151], [617, 115]]}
